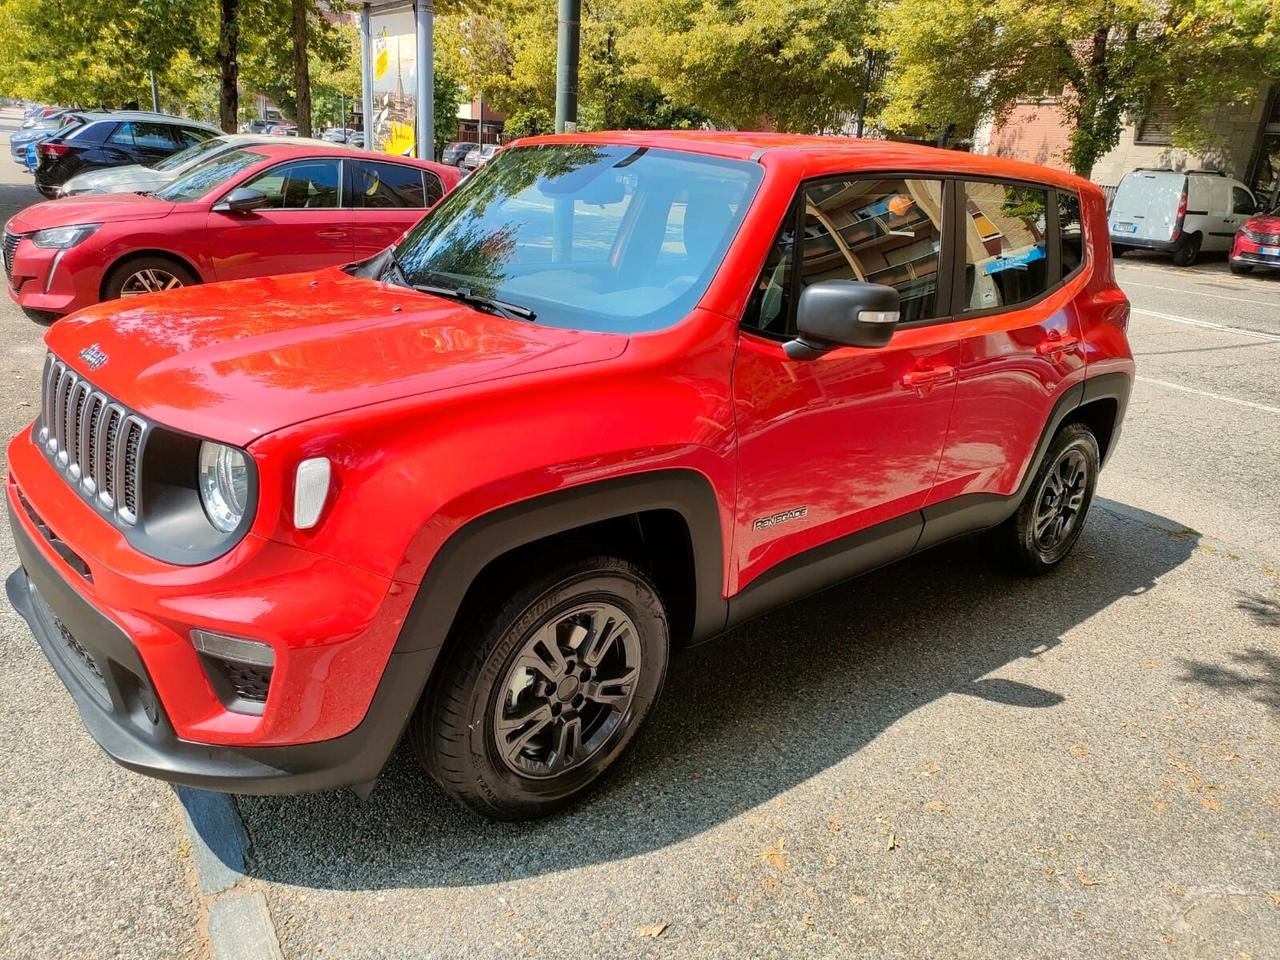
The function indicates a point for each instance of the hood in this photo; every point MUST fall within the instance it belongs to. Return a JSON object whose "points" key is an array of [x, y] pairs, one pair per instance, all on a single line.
{"points": [[118, 179], [234, 361], [90, 208], [1264, 223]]}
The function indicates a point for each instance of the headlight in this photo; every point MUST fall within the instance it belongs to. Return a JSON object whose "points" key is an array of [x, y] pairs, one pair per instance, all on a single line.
{"points": [[224, 484], [63, 237], [1250, 235]]}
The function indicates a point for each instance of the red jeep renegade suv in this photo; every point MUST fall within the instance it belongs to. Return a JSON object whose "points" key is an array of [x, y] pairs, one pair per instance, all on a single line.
{"points": [[615, 395]]}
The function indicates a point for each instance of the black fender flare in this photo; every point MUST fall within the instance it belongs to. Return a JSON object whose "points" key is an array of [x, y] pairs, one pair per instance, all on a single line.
{"points": [[480, 541]]}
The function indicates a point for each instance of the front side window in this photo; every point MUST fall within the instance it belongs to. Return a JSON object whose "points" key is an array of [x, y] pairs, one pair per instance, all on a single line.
{"points": [[1242, 201], [1070, 230], [388, 185], [885, 230], [301, 185], [1005, 252], [594, 237]]}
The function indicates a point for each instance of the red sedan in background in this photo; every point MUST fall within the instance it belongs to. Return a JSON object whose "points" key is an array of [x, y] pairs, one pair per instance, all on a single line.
{"points": [[255, 211], [1257, 243]]}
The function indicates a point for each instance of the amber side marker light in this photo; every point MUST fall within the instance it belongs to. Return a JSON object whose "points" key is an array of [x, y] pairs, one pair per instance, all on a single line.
{"points": [[310, 491]]}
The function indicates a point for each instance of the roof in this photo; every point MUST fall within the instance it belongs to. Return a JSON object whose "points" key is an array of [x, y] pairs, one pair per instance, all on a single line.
{"points": [[877, 154], [284, 146], [94, 115]]}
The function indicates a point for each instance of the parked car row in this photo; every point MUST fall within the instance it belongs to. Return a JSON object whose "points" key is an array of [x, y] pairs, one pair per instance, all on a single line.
{"points": [[1188, 213], [231, 207]]}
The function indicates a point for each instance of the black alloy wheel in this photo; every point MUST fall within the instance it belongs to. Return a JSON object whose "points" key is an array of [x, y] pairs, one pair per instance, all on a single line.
{"points": [[1051, 517], [544, 686]]}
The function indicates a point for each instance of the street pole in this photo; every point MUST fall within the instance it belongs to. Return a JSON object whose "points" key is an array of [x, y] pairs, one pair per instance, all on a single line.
{"points": [[567, 66], [366, 74], [155, 93], [424, 53]]}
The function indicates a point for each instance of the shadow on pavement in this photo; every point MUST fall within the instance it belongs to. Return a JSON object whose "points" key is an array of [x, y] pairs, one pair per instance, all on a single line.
{"points": [[743, 719]]}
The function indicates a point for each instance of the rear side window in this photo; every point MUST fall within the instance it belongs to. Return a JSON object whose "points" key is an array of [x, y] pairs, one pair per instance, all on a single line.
{"points": [[388, 185], [1070, 230], [1005, 250], [147, 136]]}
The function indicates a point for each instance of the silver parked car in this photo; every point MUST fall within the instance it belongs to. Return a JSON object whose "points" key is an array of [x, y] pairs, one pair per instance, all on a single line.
{"points": [[137, 178]]}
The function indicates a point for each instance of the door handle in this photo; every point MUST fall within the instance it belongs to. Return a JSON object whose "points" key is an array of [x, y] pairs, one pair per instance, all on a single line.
{"points": [[927, 377], [333, 234], [1056, 344]]}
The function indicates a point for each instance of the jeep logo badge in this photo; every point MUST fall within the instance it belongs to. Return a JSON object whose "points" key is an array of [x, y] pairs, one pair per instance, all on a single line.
{"points": [[94, 356]]}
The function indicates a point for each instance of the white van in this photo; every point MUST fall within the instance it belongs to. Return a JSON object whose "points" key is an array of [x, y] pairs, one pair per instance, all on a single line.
{"points": [[1180, 213]]}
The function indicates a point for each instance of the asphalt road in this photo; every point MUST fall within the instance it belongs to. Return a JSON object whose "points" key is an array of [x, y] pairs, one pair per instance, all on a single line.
{"points": [[936, 760]]}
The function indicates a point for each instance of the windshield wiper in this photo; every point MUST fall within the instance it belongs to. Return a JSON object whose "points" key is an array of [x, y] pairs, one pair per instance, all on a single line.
{"points": [[512, 311]]}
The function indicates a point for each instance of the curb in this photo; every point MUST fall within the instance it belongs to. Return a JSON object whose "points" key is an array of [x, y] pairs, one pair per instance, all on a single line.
{"points": [[240, 925]]}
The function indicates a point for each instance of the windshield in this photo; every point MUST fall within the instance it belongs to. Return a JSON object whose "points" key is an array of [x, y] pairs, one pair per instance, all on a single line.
{"points": [[607, 238], [208, 175], [191, 155]]}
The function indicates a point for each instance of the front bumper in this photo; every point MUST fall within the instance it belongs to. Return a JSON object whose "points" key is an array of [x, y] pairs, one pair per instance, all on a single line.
{"points": [[1249, 251], [120, 707], [56, 281]]}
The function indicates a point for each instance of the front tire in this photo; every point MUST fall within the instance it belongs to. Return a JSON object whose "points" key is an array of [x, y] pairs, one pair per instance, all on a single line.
{"points": [[146, 275], [544, 690], [1049, 521]]}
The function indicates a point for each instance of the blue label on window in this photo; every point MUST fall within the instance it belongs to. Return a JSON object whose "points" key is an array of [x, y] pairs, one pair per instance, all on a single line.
{"points": [[1017, 261]]}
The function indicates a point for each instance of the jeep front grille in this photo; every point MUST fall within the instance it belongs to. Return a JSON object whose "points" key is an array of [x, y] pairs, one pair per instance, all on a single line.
{"points": [[93, 441]]}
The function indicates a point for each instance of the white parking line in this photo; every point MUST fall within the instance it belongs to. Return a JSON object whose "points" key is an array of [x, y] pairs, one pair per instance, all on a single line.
{"points": [[1211, 396], [1242, 331], [1199, 293]]}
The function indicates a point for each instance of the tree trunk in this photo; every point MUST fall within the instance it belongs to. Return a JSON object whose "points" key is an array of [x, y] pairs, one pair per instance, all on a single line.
{"points": [[301, 70], [228, 65]]}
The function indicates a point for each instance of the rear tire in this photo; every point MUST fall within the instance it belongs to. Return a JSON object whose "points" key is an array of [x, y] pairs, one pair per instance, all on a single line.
{"points": [[1188, 251], [146, 275], [527, 713], [1117, 251], [1240, 269], [1048, 523]]}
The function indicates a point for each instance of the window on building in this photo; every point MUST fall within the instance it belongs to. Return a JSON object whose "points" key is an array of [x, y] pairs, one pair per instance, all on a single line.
{"points": [[1156, 125], [1006, 256]]}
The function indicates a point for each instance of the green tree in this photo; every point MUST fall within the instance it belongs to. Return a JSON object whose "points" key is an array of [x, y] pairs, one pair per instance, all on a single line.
{"points": [[956, 62], [796, 65]]}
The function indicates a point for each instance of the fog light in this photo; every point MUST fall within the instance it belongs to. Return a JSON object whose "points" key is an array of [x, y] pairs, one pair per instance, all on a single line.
{"points": [[235, 649], [310, 490]]}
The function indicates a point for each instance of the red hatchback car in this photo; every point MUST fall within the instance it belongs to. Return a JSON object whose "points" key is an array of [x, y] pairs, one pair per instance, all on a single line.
{"points": [[616, 394], [262, 209], [1257, 243]]}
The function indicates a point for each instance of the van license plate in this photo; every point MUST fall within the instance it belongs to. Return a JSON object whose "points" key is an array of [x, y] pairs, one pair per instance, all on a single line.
{"points": [[1126, 228]]}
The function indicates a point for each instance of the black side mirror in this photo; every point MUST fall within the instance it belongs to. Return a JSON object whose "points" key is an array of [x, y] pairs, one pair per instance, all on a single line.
{"points": [[240, 200], [843, 313]]}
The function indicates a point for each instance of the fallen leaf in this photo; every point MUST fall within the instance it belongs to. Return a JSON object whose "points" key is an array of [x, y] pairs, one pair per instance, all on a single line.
{"points": [[1150, 664], [937, 806], [857, 899], [807, 920], [834, 824], [1211, 804], [1069, 837], [653, 932], [1080, 751], [893, 842], [932, 770], [1161, 804], [1275, 896], [772, 855], [1086, 881]]}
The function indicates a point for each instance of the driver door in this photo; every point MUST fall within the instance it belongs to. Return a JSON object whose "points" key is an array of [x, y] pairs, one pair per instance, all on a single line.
{"points": [[303, 225], [836, 445]]}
